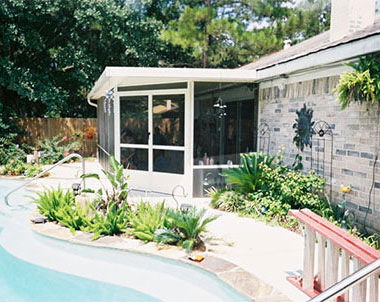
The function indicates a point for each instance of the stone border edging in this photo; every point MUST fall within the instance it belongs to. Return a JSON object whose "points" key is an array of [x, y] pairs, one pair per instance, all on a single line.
{"points": [[233, 275]]}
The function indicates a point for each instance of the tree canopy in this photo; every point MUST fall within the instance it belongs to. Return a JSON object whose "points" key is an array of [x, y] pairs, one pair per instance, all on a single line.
{"points": [[52, 51]]}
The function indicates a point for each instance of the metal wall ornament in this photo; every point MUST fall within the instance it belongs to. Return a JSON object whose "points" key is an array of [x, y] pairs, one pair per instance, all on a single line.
{"points": [[264, 138], [321, 152]]}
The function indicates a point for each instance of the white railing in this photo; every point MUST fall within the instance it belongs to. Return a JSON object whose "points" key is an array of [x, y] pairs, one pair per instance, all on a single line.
{"points": [[67, 158], [337, 257]]}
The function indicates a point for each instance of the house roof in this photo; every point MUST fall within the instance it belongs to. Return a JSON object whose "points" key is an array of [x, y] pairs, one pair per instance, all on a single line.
{"points": [[310, 46], [130, 76]]}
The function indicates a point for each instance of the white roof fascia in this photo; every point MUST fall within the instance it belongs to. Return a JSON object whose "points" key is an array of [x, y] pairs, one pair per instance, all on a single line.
{"points": [[113, 76], [323, 57]]}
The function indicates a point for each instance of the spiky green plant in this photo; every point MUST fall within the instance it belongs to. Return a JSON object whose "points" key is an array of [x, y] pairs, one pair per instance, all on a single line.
{"points": [[114, 221], [146, 220], [51, 201], [75, 217], [248, 177]]}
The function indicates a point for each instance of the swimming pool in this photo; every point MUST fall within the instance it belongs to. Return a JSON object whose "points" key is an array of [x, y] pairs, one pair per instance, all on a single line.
{"points": [[37, 268]]}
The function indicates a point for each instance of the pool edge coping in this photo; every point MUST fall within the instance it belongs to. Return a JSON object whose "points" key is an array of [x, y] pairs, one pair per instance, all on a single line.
{"points": [[233, 275]]}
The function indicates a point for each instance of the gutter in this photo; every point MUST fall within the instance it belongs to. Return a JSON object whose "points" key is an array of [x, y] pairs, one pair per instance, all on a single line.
{"points": [[335, 53]]}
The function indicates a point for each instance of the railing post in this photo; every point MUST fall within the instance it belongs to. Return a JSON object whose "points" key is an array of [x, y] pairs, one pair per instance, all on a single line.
{"points": [[308, 259], [374, 288], [345, 272], [332, 263], [359, 291], [321, 262]]}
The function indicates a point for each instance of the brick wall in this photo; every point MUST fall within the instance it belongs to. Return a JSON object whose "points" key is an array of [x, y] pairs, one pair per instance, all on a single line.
{"points": [[354, 134]]}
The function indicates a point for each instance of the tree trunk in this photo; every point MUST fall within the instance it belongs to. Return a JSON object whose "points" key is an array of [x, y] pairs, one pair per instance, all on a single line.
{"points": [[207, 37]]}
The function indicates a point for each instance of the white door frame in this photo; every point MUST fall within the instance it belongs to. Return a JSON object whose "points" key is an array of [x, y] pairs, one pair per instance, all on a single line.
{"points": [[158, 181]]}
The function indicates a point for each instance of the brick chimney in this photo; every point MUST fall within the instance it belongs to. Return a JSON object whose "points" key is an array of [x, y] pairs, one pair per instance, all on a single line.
{"points": [[348, 16]]}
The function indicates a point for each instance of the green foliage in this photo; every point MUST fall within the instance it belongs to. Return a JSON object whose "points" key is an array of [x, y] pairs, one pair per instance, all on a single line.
{"points": [[362, 85], [118, 180], [17, 167], [51, 201], [11, 151], [53, 51], [355, 86], [343, 216], [248, 177], [231, 33], [14, 167], [184, 228], [280, 190], [33, 170], [146, 220], [57, 148], [113, 222], [74, 217]]}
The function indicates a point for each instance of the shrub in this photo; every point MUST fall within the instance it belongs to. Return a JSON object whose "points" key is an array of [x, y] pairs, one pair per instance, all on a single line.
{"points": [[248, 177], [280, 189], [184, 228], [146, 220], [17, 167], [11, 151], [56, 149], [33, 170]]}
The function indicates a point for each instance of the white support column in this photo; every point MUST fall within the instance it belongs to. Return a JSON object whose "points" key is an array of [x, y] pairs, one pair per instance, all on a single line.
{"points": [[117, 124], [332, 263], [321, 262], [308, 259], [359, 292], [374, 288], [345, 265]]}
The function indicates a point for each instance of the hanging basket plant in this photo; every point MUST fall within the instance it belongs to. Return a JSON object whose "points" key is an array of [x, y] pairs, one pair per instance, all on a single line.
{"points": [[362, 84]]}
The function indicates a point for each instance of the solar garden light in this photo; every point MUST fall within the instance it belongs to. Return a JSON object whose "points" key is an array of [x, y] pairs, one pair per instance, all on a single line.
{"points": [[76, 188]]}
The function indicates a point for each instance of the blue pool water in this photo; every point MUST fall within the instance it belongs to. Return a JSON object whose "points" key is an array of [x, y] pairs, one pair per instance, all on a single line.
{"points": [[36, 268]]}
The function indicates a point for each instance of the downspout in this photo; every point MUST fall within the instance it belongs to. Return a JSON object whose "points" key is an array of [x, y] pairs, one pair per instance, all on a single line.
{"points": [[92, 104]]}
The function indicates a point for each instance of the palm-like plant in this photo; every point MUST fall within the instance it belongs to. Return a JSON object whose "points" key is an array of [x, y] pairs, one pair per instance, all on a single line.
{"points": [[184, 227], [248, 177]]}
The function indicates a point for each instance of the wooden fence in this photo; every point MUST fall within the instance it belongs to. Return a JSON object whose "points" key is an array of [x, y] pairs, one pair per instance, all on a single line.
{"points": [[74, 128]]}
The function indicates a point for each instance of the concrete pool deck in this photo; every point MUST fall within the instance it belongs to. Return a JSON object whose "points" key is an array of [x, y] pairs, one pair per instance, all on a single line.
{"points": [[268, 253]]}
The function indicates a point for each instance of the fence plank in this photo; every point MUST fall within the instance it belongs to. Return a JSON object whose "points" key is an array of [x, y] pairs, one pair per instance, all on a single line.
{"points": [[74, 128]]}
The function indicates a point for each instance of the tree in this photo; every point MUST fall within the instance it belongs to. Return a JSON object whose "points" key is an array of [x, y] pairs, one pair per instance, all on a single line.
{"points": [[228, 33], [52, 51]]}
